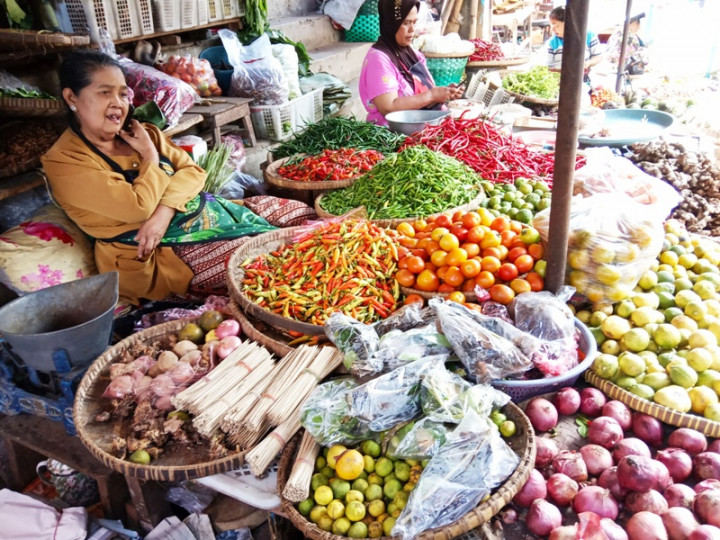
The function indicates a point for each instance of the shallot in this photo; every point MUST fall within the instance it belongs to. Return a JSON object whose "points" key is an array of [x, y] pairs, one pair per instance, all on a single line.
{"points": [[637, 473], [596, 499], [543, 517], [690, 440], [707, 507], [646, 526], [620, 412], [183, 347], [710, 483], [605, 431], [714, 446], [534, 488], [678, 462], [592, 401], [612, 530], [567, 400], [609, 480], [227, 345], [705, 532], [648, 428], [119, 387], [707, 465], [566, 532], [166, 360], [679, 523], [570, 463], [649, 500], [561, 489], [545, 451], [679, 495], [227, 328], [542, 414], [596, 458], [630, 447]]}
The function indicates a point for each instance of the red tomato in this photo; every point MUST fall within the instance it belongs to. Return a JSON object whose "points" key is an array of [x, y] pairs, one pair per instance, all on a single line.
{"points": [[502, 294], [515, 252], [524, 263], [405, 277], [412, 298], [415, 264], [507, 272], [476, 234], [460, 232], [443, 220], [471, 219]]}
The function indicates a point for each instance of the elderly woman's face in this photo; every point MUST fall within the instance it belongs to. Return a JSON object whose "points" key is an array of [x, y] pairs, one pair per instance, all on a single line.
{"points": [[101, 106], [558, 27], [406, 32]]}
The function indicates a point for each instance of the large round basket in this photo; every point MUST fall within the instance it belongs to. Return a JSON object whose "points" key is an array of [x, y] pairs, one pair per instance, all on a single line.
{"points": [[390, 223], [503, 62], [674, 418], [272, 177], [469, 296], [446, 68], [523, 443], [520, 390], [177, 462], [520, 97], [260, 245], [261, 332]]}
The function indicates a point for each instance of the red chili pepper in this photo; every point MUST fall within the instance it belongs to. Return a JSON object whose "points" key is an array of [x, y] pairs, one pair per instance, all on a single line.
{"points": [[330, 165]]}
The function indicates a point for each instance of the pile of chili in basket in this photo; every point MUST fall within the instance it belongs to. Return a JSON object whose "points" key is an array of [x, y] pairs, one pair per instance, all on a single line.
{"points": [[330, 165]]}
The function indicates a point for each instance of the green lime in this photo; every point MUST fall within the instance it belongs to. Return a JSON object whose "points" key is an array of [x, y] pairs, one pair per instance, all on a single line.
{"points": [[508, 428], [305, 506], [210, 320], [191, 332], [141, 457]]}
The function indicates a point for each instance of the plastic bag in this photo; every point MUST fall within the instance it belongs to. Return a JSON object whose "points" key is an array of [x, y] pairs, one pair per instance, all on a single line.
{"points": [[257, 73], [439, 391], [237, 157], [485, 354], [544, 314], [398, 348], [473, 461], [357, 341], [613, 241], [172, 95], [342, 12], [8, 81], [606, 172], [326, 415], [417, 440], [393, 397], [197, 72], [242, 185], [406, 318], [288, 58]]}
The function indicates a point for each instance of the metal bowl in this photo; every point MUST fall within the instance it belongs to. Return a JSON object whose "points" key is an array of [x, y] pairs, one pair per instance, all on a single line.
{"points": [[630, 126], [409, 122]]}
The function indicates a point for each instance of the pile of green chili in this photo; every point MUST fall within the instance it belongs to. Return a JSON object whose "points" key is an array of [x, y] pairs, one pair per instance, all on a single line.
{"points": [[415, 182], [538, 82], [340, 132]]}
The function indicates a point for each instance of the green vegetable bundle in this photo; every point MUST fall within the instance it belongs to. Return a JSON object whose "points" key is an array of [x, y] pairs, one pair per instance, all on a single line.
{"points": [[415, 182], [22, 93], [341, 132], [538, 82], [215, 164]]}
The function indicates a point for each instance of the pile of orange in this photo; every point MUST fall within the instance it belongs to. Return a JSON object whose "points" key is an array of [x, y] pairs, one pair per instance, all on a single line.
{"points": [[454, 253]]}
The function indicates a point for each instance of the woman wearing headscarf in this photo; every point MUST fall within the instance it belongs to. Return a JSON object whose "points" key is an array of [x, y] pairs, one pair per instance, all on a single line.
{"points": [[394, 76]]}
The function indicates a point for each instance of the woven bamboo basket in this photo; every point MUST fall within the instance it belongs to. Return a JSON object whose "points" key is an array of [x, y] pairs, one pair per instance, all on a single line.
{"points": [[272, 177], [177, 462], [392, 223], [503, 62], [674, 418], [12, 39], [520, 97], [31, 107], [469, 296], [523, 443], [261, 332]]}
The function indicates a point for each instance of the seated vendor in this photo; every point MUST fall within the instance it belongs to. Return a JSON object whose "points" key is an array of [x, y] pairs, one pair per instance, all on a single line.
{"points": [[394, 76], [593, 48], [636, 52]]}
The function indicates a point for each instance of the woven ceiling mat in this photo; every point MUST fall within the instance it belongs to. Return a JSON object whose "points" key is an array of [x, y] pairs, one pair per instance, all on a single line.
{"points": [[674, 418], [521, 97], [523, 443], [177, 462], [392, 223], [261, 332], [272, 177], [499, 63]]}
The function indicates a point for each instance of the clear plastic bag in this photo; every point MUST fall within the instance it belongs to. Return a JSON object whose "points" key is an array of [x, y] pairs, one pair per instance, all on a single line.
{"points": [[398, 348], [357, 341], [288, 59], [545, 315], [613, 241], [485, 354], [257, 73], [473, 461], [417, 440], [406, 318], [439, 391], [237, 157], [197, 72], [325, 415], [393, 397]]}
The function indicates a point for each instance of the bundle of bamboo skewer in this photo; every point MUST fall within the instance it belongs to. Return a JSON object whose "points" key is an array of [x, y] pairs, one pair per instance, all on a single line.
{"points": [[298, 485]]}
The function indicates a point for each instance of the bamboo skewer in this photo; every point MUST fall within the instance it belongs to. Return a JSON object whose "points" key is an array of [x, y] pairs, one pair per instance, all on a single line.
{"points": [[260, 457], [297, 488]]}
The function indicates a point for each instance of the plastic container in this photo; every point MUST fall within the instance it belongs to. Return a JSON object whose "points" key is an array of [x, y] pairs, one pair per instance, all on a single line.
{"points": [[189, 14], [133, 18], [217, 58], [279, 122], [365, 28], [520, 390], [167, 15], [89, 16], [230, 9], [215, 10]]}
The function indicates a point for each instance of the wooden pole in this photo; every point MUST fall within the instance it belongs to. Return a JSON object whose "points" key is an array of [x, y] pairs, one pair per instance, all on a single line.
{"points": [[474, 7], [454, 22], [623, 47], [445, 15]]}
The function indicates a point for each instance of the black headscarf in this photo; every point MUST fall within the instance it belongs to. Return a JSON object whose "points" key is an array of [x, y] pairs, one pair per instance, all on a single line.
{"points": [[392, 14]]}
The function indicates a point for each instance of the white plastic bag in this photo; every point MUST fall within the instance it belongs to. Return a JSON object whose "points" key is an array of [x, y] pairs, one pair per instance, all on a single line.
{"points": [[288, 58]]}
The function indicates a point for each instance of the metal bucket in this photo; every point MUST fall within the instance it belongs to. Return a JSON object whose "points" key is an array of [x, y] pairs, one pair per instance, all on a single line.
{"points": [[76, 317]]}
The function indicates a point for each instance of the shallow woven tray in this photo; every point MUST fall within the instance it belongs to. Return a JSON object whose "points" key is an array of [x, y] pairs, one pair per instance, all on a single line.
{"points": [[674, 418], [390, 223], [469, 296], [9, 38], [13, 106], [272, 177], [260, 245], [499, 63], [176, 462], [520, 97], [523, 443], [259, 331]]}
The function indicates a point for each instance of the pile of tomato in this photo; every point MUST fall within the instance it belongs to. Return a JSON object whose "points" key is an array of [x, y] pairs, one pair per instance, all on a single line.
{"points": [[455, 253]]}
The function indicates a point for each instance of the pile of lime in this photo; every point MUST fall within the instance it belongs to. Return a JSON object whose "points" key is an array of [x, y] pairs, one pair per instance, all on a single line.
{"points": [[662, 342], [357, 492], [202, 330], [519, 201]]}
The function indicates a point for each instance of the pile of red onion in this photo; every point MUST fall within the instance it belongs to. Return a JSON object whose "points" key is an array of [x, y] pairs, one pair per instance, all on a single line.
{"points": [[627, 482]]}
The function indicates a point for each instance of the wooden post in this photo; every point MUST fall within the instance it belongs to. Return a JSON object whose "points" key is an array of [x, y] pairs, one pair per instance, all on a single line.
{"points": [[474, 7], [445, 16], [454, 23]]}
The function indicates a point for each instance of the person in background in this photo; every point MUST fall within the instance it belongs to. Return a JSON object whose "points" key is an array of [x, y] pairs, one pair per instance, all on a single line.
{"points": [[636, 53], [394, 76], [593, 48]]}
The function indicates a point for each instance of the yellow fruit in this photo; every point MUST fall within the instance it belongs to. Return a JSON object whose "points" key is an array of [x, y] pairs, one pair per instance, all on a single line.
{"points": [[341, 526], [336, 509], [333, 454], [349, 464], [673, 397], [701, 397], [355, 510], [323, 495]]}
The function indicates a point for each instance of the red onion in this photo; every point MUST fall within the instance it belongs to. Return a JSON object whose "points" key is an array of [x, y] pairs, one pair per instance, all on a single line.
{"points": [[678, 462], [637, 473], [648, 428], [534, 488], [229, 327], [596, 458], [542, 414], [612, 530], [690, 440], [566, 532], [562, 489], [227, 345], [609, 480], [570, 463], [649, 500], [592, 401], [596, 499], [589, 525], [620, 412], [646, 526], [630, 447], [509, 516], [543, 517], [662, 474], [679, 495], [567, 400], [710, 483], [707, 465], [707, 507], [705, 532], [679, 523], [545, 451], [605, 431], [714, 446]]}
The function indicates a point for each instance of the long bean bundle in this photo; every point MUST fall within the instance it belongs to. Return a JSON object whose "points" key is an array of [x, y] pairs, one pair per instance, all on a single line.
{"points": [[340, 132], [414, 182]]}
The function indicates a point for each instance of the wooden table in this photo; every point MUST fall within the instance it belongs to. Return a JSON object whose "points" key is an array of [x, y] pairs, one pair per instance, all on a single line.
{"points": [[218, 112]]}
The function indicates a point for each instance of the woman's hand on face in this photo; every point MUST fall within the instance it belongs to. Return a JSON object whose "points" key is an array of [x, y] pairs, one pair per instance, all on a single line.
{"points": [[152, 231], [140, 141]]}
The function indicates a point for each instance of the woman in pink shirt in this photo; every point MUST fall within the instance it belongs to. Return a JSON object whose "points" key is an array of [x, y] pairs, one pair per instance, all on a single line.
{"points": [[394, 76]]}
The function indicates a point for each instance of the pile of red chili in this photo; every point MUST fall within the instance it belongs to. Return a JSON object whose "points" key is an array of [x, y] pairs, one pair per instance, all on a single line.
{"points": [[485, 50], [330, 165], [481, 146]]}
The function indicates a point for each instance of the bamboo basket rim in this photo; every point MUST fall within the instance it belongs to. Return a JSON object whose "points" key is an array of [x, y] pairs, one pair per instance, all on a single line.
{"points": [[19, 168], [469, 296], [82, 418], [522, 97], [473, 519], [41, 38], [448, 55], [474, 204], [272, 177], [23, 104], [259, 245], [516, 61], [249, 329], [710, 428]]}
